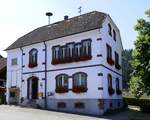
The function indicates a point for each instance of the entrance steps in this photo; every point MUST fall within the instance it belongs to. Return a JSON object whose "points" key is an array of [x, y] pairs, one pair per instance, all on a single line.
{"points": [[29, 103]]}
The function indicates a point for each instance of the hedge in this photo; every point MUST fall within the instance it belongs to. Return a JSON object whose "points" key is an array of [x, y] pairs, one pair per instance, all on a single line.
{"points": [[136, 102], [2, 99], [143, 103]]}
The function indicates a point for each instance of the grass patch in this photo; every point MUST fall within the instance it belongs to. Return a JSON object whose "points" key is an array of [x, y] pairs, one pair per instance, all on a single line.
{"points": [[137, 115]]}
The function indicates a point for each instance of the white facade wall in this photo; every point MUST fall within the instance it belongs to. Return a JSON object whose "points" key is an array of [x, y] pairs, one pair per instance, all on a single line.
{"points": [[93, 80]]}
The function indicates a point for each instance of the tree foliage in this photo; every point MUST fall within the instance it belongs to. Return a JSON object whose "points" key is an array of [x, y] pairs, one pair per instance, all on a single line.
{"points": [[140, 80], [126, 67]]}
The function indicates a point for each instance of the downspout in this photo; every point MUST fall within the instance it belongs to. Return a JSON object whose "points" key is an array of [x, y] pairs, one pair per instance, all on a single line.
{"points": [[45, 75], [21, 72]]}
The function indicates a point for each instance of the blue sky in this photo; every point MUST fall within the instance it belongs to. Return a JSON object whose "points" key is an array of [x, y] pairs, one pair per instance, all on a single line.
{"points": [[18, 17]]}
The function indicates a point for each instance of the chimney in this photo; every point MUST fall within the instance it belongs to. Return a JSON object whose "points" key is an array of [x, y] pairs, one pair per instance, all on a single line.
{"points": [[66, 17]]}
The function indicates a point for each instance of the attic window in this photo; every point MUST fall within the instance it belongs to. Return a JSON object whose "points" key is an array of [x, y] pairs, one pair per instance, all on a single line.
{"points": [[114, 35], [109, 30]]}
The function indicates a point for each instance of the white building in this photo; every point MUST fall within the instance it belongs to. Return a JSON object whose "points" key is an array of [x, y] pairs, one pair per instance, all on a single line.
{"points": [[73, 65]]}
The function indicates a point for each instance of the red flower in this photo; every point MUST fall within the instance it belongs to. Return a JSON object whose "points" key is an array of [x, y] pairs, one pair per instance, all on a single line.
{"points": [[110, 61], [61, 90], [111, 91], [79, 89], [118, 66], [32, 65], [118, 91]]}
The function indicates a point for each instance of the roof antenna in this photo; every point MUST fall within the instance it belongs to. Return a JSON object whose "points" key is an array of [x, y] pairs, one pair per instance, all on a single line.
{"points": [[80, 10], [49, 14]]}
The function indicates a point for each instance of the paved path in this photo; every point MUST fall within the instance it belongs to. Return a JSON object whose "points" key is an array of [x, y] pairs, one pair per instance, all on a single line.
{"points": [[18, 113]]}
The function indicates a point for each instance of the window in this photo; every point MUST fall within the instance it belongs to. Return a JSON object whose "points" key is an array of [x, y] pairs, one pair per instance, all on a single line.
{"points": [[86, 45], [78, 50], [109, 81], [79, 105], [111, 91], [117, 61], [109, 55], [116, 58], [33, 58], [79, 82], [55, 52], [14, 61], [61, 105], [109, 29], [109, 51], [62, 80], [63, 52], [114, 35], [12, 94], [117, 83], [80, 79], [70, 50], [118, 91], [61, 83]]}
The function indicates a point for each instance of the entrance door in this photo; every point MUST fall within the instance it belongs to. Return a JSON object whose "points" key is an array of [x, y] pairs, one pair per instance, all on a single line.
{"points": [[32, 88]]}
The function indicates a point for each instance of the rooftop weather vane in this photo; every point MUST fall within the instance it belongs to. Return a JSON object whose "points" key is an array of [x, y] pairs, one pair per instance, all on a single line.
{"points": [[80, 10]]}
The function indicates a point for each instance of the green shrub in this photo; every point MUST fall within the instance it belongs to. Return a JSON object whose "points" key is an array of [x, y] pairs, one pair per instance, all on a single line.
{"points": [[2, 99], [144, 104]]}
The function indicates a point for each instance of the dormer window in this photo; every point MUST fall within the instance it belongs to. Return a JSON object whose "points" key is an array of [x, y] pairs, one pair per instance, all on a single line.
{"points": [[109, 30], [33, 58], [114, 35]]}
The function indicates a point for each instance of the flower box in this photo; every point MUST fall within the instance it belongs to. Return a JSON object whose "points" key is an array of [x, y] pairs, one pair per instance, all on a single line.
{"points": [[118, 92], [32, 65], [61, 90], [110, 61], [118, 66], [111, 91], [79, 89], [54, 62], [85, 58]]}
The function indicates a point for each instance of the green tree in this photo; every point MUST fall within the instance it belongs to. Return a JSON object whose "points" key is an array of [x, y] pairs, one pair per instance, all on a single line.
{"points": [[140, 80], [126, 67]]}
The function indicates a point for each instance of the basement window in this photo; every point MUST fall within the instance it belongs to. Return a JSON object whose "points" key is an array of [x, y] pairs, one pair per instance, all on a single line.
{"points": [[61, 105], [79, 105]]}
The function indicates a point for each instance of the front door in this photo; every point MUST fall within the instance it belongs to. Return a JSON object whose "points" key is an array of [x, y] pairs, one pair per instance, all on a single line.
{"points": [[32, 88]]}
